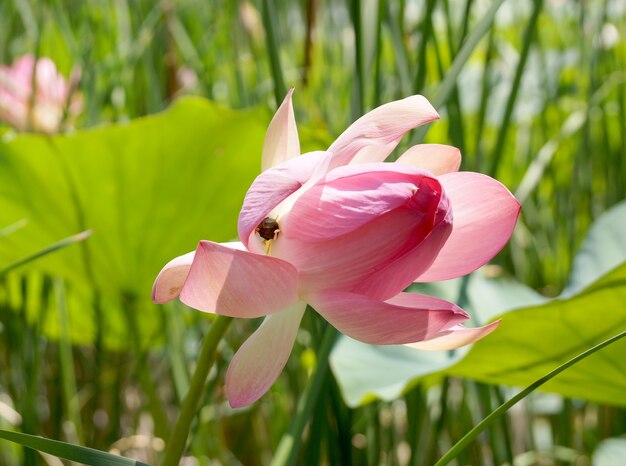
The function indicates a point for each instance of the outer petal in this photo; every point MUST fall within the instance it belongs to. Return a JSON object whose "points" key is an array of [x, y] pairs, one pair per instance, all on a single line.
{"points": [[15, 91], [273, 186], [455, 337], [17, 79], [373, 136], [353, 195], [238, 283], [485, 213], [405, 318], [436, 158], [171, 278], [261, 359], [281, 141]]}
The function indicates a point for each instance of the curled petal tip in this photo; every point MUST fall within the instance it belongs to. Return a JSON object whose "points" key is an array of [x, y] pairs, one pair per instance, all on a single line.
{"points": [[376, 134], [405, 318], [455, 337], [171, 278]]}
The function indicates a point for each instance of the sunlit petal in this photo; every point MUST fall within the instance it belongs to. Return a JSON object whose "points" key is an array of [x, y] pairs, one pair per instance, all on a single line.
{"points": [[262, 357]]}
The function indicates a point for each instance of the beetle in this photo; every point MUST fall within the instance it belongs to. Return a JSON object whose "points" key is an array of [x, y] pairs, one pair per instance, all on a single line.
{"points": [[268, 228]]}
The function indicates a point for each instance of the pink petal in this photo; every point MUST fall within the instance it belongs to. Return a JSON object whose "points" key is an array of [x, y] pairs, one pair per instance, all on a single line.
{"points": [[349, 261], [51, 86], [15, 91], [17, 79], [238, 283], [273, 186], [436, 158], [260, 360], [353, 195], [171, 278], [14, 110], [455, 337], [373, 136], [405, 318], [400, 273], [484, 213], [281, 141]]}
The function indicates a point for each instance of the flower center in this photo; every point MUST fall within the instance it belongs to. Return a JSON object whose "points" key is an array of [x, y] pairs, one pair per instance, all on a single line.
{"points": [[268, 228]]}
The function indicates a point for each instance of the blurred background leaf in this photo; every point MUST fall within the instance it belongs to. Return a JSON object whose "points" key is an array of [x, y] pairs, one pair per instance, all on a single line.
{"points": [[610, 452], [149, 191]]}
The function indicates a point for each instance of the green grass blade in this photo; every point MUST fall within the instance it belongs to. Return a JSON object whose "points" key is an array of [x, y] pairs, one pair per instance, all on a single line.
{"points": [[358, 103], [426, 31], [529, 35], [447, 85], [503, 408], [536, 169], [67, 451], [472, 41], [485, 89], [378, 77], [50, 249], [13, 227], [271, 27], [394, 23], [68, 375]]}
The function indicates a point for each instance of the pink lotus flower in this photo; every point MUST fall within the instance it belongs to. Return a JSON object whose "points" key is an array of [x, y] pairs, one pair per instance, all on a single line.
{"points": [[52, 103], [346, 233]]}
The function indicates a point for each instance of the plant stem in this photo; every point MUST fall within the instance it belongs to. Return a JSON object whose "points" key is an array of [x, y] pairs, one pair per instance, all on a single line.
{"points": [[178, 438], [287, 451], [472, 434]]}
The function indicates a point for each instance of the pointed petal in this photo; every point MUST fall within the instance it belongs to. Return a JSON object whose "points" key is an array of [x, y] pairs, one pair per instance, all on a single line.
{"points": [[273, 186], [260, 360], [281, 141], [436, 158], [455, 337], [484, 213], [353, 195], [405, 318], [238, 283], [373, 136]]}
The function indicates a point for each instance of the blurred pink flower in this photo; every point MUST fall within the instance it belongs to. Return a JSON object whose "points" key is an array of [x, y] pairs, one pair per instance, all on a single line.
{"points": [[53, 102], [345, 232]]}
